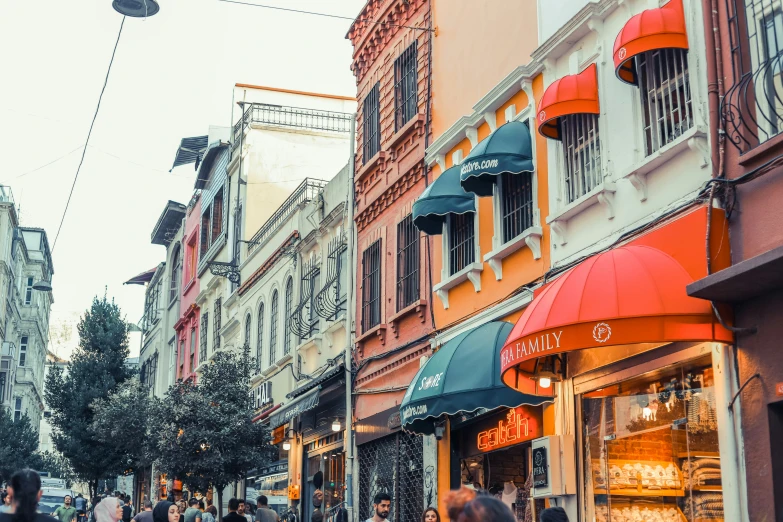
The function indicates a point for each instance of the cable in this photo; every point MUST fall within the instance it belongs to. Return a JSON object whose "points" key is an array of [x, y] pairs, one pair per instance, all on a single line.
{"points": [[327, 15], [46, 165], [89, 133]]}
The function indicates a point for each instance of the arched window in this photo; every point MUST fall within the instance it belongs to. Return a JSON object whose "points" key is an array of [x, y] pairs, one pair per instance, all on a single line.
{"points": [[176, 274], [273, 330], [260, 338], [289, 308], [248, 325]]}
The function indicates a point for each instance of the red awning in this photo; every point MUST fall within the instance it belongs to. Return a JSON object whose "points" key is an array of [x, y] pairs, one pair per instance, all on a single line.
{"points": [[662, 28], [142, 278], [628, 295], [573, 94]]}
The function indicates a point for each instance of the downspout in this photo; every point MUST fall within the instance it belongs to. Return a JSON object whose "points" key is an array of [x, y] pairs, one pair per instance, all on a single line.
{"points": [[349, 321]]}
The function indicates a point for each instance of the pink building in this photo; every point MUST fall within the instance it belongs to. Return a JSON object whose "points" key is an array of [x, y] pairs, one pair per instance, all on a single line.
{"points": [[188, 325]]}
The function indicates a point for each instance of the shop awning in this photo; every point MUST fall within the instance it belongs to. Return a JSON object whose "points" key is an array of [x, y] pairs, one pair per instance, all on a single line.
{"points": [[463, 376], [444, 196], [650, 30], [507, 150], [627, 295], [301, 404], [573, 94], [142, 278]]}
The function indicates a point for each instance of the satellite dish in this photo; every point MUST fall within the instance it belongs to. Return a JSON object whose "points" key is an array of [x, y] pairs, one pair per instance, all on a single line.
{"points": [[136, 8], [42, 286]]}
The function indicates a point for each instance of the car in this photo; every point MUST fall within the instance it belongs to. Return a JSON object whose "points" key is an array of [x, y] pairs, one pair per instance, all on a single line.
{"points": [[52, 498]]}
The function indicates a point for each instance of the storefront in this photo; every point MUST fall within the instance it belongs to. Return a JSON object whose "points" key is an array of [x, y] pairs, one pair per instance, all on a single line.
{"points": [[646, 374], [272, 482]]}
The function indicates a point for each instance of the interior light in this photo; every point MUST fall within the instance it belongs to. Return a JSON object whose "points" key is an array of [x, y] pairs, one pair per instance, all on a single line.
{"points": [[545, 382], [336, 426], [287, 445]]}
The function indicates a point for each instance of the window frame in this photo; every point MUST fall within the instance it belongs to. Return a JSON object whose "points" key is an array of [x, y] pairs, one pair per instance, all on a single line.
{"points": [[24, 343], [192, 350], [260, 337], [406, 104], [371, 123], [176, 274], [273, 326], [217, 321], [212, 225], [18, 407], [28, 291], [289, 309], [203, 337], [448, 248], [500, 212], [371, 317], [578, 122], [408, 276]]}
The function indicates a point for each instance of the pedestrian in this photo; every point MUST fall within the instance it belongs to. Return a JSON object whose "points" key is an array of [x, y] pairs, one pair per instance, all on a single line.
{"points": [[263, 513], [430, 515], [5, 502], [127, 511], [193, 513], [181, 507], [485, 508], [80, 503], [24, 490], [108, 510], [66, 512], [233, 516], [381, 504], [456, 500], [146, 514], [165, 511], [210, 514], [554, 514], [242, 510]]}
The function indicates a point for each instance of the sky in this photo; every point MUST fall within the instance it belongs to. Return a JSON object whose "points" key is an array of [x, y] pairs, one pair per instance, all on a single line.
{"points": [[171, 78]]}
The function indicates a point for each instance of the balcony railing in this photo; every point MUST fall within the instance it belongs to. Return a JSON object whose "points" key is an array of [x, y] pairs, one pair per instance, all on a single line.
{"points": [[306, 191], [291, 117]]}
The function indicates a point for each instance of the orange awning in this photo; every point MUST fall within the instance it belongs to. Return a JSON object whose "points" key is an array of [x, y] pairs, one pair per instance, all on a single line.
{"points": [[573, 94], [627, 295], [662, 28]]}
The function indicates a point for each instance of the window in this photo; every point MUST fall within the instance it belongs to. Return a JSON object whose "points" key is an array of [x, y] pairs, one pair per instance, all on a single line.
{"points": [[666, 96], [372, 124], [181, 358], [289, 308], [23, 350], [237, 240], [205, 233], [581, 155], [248, 327], [191, 260], [314, 283], [2, 387], [192, 353], [260, 337], [212, 223], [371, 286], [407, 263], [405, 86], [218, 319], [462, 241], [273, 330], [204, 336], [217, 216], [28, 292], [516, 204], [151, 305], [176, 274], [17, 409]]}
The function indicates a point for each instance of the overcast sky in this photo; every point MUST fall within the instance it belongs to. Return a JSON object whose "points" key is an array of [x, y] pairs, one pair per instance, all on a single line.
{"points": [[172, 77]]}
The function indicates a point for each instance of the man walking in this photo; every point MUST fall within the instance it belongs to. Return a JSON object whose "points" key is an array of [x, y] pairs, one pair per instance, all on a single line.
{"points": [[233, 506], [242, 510], [146, 514], [193, 513], [382, 506], [263, 513], [66, 512]]}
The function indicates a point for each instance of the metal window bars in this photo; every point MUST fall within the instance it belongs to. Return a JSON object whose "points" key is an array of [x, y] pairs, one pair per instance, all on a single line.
{"points": [[248, 329], [405, 86], [408, 240], [289, 305], [752, 108], [667, 109], [582, 155], [273, 330], [331, 299], [218, 320], [462, 241], [371, 126], [371, 286], [202, 352], [260, 338], [304, 320], [516, 204]]}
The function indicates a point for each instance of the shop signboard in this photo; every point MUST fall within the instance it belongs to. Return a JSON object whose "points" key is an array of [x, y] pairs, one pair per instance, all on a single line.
{"points": [[506, 428], [540, 467], [262, 395]]}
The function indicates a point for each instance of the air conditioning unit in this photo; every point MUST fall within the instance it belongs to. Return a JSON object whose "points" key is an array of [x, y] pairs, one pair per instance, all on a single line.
{"points": [[554, 466]]}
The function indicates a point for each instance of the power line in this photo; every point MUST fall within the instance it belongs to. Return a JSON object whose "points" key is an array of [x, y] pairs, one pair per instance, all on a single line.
{"points": [[89, 133], [46, 165], [327, 15]]}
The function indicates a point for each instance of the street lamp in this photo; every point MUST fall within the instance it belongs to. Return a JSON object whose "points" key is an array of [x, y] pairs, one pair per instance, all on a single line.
{"points": [[286, 445], [136, 8], [42, 286], [336, 426]]}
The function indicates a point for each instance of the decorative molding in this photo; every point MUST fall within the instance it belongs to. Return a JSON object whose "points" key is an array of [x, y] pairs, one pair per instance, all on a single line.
{"points": [[491, 118], [417, 307], [530, 238], [472, 135], [471, 273], [603, 194], [401, 186]]}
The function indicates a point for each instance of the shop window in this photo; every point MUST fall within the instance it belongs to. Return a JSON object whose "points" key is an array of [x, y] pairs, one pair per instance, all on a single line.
{"points": [[581, 155], [407, 263], [461, 241], [405, 86], [204, 331], [218, 324], [273, 329], [289, 306], [23, 351], [652, 447], [515, 192], [371, 286], [371, 127], [666, 96], [260, 338]]}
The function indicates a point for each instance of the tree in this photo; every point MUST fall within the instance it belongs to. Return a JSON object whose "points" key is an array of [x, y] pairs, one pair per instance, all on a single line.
{"points": [[57, 465], [206, 435], [96, 369], [18, 444]]}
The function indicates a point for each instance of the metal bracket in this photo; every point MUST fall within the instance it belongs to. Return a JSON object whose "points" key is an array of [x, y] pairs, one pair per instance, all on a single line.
{"points": [[228, 270]]}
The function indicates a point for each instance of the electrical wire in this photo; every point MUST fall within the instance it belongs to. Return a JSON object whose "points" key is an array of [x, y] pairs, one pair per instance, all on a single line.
{"points": [[89, 133], [326, 15], [46, 165]]}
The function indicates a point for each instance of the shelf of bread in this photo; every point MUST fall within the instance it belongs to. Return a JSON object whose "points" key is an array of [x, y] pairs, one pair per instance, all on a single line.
{"points": [[641, 511], [633, 478]]}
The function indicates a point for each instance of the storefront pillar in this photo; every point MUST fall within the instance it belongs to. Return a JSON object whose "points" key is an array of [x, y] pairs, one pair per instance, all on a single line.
{"points": [[444, 468]]}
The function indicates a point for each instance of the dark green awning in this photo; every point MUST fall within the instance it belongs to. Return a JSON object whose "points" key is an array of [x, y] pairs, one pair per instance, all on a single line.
{"points": [[444, 196], [463, 376], [508, 149]]}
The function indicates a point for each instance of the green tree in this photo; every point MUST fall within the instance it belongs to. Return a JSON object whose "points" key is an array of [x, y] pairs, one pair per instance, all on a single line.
{"points": [[18, 445], [96, 369], [57, 465], [206, 434]]}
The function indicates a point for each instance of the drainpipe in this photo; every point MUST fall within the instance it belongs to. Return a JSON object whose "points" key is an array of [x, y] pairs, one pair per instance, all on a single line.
{"points": [[349, 321]]}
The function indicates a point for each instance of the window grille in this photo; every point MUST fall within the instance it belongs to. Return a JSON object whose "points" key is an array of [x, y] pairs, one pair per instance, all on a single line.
{"points": [[289, 305], [372, 124], [260, 338], [582, 155], [304, 319], [23, 350], [666, 96], [330, 300], [752, 108], [405, 86], [462, 241], [371, 286], [516, 204], [218, 320], [248, 329], [407, 263], [202, 354], [273, 330]]}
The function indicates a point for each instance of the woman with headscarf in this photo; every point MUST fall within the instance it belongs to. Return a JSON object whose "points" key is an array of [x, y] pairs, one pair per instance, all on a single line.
{"points": [[108, 510], [24, 492], [165, 511]]}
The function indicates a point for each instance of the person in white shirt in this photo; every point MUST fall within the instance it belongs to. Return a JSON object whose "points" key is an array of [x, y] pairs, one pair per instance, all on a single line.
{"points": [[382, 506]]}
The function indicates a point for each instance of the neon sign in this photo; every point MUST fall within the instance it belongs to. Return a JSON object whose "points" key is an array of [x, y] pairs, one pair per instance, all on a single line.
{"points": [[515, 427]]}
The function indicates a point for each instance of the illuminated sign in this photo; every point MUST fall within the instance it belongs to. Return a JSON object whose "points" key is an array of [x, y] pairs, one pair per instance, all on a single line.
{"points": [[262, 395], [509, 427]]}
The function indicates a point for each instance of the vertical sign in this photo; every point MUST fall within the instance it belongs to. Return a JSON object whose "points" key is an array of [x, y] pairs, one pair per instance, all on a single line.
{"points": [[540, 467]]}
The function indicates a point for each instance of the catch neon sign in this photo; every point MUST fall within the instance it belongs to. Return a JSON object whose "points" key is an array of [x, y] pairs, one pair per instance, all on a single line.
{"points": [[515, 428]]}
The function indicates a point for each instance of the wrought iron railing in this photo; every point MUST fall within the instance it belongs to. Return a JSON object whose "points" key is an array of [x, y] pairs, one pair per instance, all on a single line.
{"points": [[304, 319], [752, 108], [306, 191], [294, 117]]}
